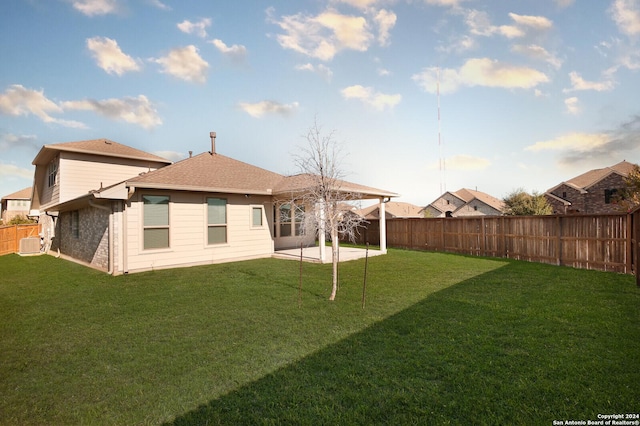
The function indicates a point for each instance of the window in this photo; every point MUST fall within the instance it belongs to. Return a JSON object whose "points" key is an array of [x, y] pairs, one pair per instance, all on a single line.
{"points": [[291, 220], [256, 217], [610, 196], [53, 172], [156, 221], [216, 221], [285, 220], [74, 220]]}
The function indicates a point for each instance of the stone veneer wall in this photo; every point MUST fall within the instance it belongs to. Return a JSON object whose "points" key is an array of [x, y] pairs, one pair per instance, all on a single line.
{"points": [[92, 243]]}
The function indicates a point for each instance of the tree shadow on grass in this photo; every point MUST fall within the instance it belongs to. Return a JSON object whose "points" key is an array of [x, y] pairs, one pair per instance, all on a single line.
{"points": [[464, 355]]}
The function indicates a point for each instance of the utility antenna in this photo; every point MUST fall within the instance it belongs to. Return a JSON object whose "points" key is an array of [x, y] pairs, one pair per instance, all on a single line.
{"points": [[443, 183]]}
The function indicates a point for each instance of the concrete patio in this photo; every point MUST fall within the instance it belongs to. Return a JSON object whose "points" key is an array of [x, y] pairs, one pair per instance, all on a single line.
{"points": [[312, 254]]}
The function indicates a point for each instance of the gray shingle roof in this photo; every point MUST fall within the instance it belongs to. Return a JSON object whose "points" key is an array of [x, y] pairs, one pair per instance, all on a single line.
{"points": [[103, 147], [218, 173]]}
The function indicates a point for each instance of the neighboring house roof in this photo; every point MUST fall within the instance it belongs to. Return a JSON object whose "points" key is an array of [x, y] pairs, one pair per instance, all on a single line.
{"points": [[23, 194], [586, 180], [392, 209], [468, 195], [104, 147], [218, 173]]}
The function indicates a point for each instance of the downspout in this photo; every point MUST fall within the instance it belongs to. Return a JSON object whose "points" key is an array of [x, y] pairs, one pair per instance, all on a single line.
{"points": [[107, 209], [53, 233], [125, 230]]}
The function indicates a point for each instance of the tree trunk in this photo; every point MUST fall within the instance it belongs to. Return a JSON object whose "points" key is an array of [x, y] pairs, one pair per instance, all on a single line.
{"points": [[334, 260]]}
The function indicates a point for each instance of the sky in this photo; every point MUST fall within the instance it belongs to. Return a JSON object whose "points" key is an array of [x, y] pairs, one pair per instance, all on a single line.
{"points": [[420, 96]]}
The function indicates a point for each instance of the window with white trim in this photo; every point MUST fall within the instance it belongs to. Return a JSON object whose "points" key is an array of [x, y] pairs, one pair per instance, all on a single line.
{"points": [[53, 173], [291, 219], [256, 216], [216, 221], [156, 221]]}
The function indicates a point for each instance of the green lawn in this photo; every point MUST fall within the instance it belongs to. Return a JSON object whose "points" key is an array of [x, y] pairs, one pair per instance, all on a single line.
{"points": [[443, 339]]}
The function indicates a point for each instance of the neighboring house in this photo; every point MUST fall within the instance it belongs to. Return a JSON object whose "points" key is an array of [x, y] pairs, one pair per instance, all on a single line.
{"points": [[464, 202], [590, 192], [123, 210], [16, 204], [393, 210]]}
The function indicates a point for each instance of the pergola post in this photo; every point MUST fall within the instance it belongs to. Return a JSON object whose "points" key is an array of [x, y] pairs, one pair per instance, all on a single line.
{"points": [[383, 227]]}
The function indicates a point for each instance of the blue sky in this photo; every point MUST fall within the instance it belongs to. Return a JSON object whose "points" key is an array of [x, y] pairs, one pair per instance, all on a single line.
{"points": [[532, 92]]}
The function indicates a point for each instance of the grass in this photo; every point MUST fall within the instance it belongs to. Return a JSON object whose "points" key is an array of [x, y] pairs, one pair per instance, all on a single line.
{"points": [[443, 339]]}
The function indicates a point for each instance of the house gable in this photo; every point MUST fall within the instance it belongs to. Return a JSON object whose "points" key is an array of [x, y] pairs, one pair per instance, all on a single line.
{"points": [[589, 192], [70, 170]]}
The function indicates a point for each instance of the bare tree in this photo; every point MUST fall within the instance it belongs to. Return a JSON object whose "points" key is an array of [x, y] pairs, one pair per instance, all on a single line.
{"points": [[319, 163]]}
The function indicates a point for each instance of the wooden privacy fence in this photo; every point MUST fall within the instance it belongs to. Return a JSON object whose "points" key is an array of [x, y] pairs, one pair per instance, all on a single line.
{"points": [[602, 242], [11, 235]]}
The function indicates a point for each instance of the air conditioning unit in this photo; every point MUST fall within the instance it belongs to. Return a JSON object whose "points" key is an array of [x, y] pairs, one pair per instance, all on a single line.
{"points": [[29, 245]]}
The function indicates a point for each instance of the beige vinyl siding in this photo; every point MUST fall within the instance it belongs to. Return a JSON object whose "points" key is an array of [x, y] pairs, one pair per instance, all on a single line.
{"points": [[49, 195], [80, 173], [188, 232]]}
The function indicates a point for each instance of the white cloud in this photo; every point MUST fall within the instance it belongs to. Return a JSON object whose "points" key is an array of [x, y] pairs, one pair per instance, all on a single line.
{"points": [[138, 110], [626, 14], [324, 35], [479, 24], [539, 23], [369, 96], [581, 142], [236, 53], [359, 4], [447, 3], [480, 72], [20, 101], [96, 7], [537, 52], [110, 57], [259, 109], [8, 171], [171, 155], [386, 20], [466, 162], [158, 4], [578, 83], [320, 69], [198, 28], [564, 3], [573, 105], [184, 63], [10, 141]]}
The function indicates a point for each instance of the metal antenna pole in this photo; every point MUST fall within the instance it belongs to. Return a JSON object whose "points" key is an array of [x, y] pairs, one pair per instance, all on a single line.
{"points": [[443, 184]]}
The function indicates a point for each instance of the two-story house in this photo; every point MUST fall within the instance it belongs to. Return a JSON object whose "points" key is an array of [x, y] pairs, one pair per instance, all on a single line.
{"points": [[15, 204], [590, 192], [123, 210]]}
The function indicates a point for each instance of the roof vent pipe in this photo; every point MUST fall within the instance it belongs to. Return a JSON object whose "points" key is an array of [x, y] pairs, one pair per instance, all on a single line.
{"points": [[212, 135]]}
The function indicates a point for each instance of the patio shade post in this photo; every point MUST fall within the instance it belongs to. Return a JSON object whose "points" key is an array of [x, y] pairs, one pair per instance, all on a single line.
{"points": [[383, 227]]}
